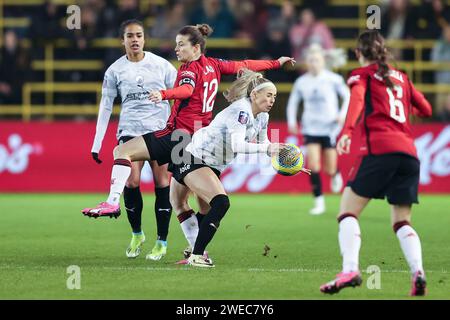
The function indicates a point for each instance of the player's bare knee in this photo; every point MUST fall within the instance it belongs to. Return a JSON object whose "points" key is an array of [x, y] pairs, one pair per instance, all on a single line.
{"points": [[401, 213], [204, 207], [178, 206], [133, 182], [330, 171], [118, 153], [161, 181], [315, 167]]}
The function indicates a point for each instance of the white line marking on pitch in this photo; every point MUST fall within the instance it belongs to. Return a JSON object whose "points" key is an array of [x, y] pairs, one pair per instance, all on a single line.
{"points": [[187, 268]]}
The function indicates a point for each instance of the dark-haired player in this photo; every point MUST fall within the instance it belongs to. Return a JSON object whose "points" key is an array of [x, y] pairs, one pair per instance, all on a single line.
{"points": [[383, 98], [132, 76], [194, 93]]}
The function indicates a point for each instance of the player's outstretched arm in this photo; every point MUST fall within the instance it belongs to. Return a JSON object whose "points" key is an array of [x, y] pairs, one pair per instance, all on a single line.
{"points": [[104, 113], [233, 67]]}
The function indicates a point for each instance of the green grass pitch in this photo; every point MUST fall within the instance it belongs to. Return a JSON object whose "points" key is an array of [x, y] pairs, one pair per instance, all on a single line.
{"points": [[41, 235]]}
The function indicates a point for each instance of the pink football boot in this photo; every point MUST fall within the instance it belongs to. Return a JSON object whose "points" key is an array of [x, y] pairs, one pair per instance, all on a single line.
{"points": [[104, 209], [419, 284], [343, 280]]}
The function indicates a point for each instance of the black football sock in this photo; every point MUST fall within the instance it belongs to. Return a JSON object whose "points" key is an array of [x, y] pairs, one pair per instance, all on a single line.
{"points": [[199, 217], [163, 211], [316, 184], [210, 223], [133, 204]]}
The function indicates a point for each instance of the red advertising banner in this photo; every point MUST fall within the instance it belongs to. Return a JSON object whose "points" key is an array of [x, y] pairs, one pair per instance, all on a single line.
{"points": [[55, 157]]}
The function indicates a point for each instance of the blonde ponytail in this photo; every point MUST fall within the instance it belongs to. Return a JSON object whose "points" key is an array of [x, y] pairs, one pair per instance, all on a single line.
{"points": [[246, 81]]}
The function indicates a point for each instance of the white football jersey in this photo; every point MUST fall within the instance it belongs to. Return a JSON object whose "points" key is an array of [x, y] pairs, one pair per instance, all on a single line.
{"points": [[320, 100], [212, 143], [133, 81]]}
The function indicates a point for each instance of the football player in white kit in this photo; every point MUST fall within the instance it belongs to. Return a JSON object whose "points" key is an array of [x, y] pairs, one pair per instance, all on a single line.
{"points": [[133, 76], [213, 147], [321, 120]]}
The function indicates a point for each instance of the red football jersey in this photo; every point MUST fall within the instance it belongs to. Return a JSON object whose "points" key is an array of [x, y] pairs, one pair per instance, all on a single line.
{"points": [[204, 76], [383, 112]]}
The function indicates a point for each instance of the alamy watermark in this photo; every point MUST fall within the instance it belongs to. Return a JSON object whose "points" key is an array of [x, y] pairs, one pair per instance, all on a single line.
{"points": [[74, 280], [73, 21], [374, 280], [374, 20]]}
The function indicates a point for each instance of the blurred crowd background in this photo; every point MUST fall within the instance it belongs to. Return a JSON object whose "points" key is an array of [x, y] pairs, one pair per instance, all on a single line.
{"points": [[49, 72]]}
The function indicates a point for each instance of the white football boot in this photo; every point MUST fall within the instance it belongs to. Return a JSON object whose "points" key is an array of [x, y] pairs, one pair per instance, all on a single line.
{"points": [[319, 206]]}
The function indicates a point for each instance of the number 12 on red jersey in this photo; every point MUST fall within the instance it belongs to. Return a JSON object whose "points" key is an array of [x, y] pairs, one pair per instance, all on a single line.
{"points": [[209, 95]]}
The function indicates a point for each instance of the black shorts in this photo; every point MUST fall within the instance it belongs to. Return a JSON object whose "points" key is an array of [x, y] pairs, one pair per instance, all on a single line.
{"points": [[161, 147], [124, 139], [394, 175], [179, 171], [324, 141]]}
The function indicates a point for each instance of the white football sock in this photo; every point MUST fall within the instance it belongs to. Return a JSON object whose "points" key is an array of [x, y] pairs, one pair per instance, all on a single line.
{"points": [[319, 201], [350, 243], [411, 247], [119, 176], [190, 229]]}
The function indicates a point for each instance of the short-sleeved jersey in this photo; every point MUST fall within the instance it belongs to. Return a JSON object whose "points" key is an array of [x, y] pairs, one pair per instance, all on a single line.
{"points": [[320, 100], [212, 144], [385, 116], [196, 111], [133, 81]]}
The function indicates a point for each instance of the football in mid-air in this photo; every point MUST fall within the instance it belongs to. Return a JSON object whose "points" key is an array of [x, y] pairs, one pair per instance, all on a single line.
{"points": [[289, 161]]}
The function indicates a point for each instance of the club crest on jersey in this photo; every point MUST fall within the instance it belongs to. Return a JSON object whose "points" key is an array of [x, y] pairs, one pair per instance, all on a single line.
{"points": [[140, 81], [209, 69], [243, 117]]}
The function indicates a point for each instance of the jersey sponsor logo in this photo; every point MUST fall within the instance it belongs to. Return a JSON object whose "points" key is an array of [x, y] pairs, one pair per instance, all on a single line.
{"points": [[187, 74], [140, 83], [136, 96], [185, 168], [243, 117], [353, 79], [16, 160], [209, 69], [187, 81]]}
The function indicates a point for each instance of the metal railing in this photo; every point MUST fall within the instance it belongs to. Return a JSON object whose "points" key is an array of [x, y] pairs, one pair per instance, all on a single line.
{"points": [[27, 109]]}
